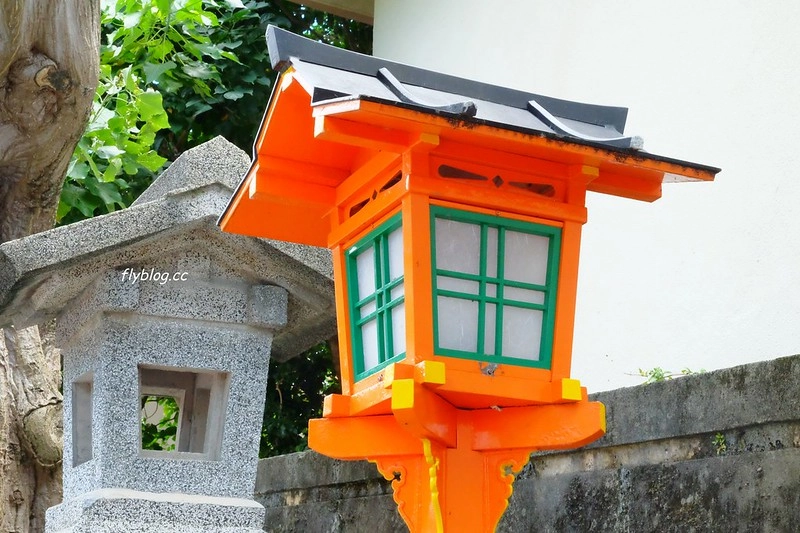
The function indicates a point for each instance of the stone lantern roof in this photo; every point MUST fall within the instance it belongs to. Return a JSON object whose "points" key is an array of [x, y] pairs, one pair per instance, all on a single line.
{"points": [[172, 225]]}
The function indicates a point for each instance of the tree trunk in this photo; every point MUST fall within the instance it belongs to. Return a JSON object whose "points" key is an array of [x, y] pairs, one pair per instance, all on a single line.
{"points": [[30, 429], [48, 75], [49, 55]]}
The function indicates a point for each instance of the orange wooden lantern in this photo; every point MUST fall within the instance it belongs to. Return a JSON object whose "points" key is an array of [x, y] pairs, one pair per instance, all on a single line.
{"points": [[454, 212]]}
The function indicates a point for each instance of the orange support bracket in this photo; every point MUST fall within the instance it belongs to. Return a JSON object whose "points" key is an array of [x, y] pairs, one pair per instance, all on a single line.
{"points": [[452, 469]]}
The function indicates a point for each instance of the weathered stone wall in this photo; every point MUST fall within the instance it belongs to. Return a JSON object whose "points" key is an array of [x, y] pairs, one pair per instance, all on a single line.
{"points": [[709, 452]]}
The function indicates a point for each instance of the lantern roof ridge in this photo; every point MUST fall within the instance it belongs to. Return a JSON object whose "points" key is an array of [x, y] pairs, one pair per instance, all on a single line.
{"points": [[371, 77]]}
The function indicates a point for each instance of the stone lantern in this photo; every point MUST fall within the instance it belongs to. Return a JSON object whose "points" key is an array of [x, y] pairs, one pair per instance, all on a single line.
{"points": [[164, 319], [454, 211]]}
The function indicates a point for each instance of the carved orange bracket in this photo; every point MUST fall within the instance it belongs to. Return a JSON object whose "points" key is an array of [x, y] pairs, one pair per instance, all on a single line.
{"points": [[452, 470]]}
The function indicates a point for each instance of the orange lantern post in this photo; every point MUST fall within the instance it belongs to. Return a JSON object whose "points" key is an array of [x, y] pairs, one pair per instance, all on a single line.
{"points": [[454, 210]]}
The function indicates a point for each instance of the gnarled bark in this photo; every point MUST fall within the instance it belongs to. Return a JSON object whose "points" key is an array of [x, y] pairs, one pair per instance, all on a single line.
{"points": [[48, 76], [30, 428]]}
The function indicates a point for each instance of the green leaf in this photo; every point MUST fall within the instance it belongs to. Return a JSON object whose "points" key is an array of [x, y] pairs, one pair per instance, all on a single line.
{"points": [[79, 199], [162, 50], [231, 56], [77, 171], [151, 161], [106, 191], [128, 167], [163, 6], [63, 209], [233, 94], [153, 71], [107, 152], [198, 107], [131, 19], [199, 70], [99, 119], [151, 109]]}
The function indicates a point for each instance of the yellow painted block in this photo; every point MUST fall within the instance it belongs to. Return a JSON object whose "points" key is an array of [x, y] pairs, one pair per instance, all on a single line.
{"points": [[403, 394], [432, 372], [571, 389], [590, 171], [388, 376], [429, 138], [603, 417]]}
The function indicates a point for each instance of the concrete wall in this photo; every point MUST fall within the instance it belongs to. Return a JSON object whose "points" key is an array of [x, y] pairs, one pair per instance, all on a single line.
{"points": [[713, 452], [705, 277]]}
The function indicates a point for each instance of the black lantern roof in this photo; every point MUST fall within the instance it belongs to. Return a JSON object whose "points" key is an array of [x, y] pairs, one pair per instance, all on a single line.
{"points": [[332, 74]]}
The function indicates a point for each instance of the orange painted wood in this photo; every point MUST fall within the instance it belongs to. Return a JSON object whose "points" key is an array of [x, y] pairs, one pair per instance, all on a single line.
{"points": [[471, 388], [360, 437], [424, 414], [542, 427], [280, 187], [510, 201], [418, 285], [343, 320], [368, 218], [408, 475], [566, 296], [463, 485], [495, 138], [362, 179], [332, 128]]}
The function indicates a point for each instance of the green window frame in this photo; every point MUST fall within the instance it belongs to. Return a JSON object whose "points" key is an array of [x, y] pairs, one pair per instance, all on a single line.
{"points": [[376, 297], [497, 304]]}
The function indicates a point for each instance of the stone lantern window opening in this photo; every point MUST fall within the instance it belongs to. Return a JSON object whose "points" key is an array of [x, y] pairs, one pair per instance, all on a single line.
{"points": [[200, 397], [82, 389], [162, 410]]}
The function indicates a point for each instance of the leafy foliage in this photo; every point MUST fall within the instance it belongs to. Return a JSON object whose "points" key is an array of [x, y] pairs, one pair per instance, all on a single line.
{"points": [[657, 374], [720, 444], [114, 160], [159, 432], [174, 74], [295, 392]]}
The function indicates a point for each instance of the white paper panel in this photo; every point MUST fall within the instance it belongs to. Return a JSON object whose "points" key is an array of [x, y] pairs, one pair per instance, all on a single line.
{"points": [[396, 292], [491, 252], [369, 339], [365, 266], [526, 257], [399, 329], [395, 241], [457, 285], [523, 295], [458, 246], [522, 332], [368, 308], [458, 324], [490, 324], [491, 290]]}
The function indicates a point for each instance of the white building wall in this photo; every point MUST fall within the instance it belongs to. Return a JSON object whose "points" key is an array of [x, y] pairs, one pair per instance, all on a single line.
{"points": [[709, 275]]}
